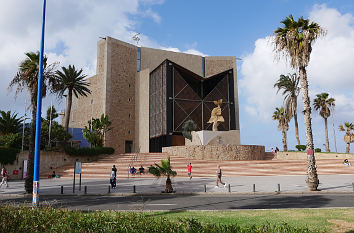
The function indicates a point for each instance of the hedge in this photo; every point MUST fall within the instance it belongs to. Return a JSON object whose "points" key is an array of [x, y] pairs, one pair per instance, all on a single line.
{"points": [[89, 151], [47, 219], [8, 155]]}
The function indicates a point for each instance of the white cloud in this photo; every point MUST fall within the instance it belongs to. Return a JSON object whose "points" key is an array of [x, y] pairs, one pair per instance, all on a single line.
{"points": [[330, 69]]}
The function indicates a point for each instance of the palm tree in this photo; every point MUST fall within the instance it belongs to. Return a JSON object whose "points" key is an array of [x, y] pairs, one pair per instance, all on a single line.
{"points": [[348, 137], [27, 78], [72, 81], [323, 104], [9, 123], [283, 124], [290, 85], [164, 170], [294, 41]]}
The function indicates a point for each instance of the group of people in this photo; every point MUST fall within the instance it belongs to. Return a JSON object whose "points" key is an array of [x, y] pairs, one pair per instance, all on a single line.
{"points": [[133, 170]]}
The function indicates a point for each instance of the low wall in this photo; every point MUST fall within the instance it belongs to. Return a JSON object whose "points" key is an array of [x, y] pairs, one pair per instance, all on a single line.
{"points": [[218, 152], [49, 161], [302, 156]]}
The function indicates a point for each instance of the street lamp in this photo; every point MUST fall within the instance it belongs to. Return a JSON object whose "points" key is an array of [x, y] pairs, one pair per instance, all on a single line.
{"points": [[37, 145], [91, 114], [24, 125]]}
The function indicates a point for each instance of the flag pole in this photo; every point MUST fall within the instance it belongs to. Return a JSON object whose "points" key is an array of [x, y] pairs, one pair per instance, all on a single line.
{"points": [[35, 197]]}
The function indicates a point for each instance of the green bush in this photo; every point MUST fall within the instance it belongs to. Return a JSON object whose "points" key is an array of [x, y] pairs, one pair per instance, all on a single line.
{"points": [[47, 219], [301, 147], [8, 155], [318, 150], [11, 140], [89, 151]]}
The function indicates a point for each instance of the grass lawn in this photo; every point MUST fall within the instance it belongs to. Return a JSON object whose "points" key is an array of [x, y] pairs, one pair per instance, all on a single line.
{"points": [[330, 220]]}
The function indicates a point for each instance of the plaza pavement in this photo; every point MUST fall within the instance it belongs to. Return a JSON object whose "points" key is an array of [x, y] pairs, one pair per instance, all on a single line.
{"points": [[182, 185]]}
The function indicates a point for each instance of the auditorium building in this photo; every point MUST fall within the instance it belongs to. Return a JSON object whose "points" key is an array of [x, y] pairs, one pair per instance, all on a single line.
{"points": [[149, 93]]}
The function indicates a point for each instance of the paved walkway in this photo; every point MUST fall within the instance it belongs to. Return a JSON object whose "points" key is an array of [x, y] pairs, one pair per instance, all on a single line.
{"points": [[241, 184]]}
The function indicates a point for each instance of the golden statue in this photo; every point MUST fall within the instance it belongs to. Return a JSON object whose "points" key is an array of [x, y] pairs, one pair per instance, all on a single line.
{"points": [[216, 116]]}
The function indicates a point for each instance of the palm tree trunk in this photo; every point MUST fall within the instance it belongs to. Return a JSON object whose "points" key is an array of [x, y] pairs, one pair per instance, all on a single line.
{"points": [[326, 134], [30, 165], [69, 99], [312, 178], [348, 148], [285, 143], [168, 187], [295, 120]]}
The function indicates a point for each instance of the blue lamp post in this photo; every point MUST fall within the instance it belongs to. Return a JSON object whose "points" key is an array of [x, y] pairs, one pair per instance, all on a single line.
{"points": [[37, 144]]}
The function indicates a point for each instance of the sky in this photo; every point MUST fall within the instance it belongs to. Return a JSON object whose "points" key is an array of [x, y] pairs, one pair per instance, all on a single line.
{"points": [[205, 27]]}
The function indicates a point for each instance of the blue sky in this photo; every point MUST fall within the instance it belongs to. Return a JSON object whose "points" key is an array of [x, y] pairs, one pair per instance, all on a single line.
{"points": [[215, 28]]}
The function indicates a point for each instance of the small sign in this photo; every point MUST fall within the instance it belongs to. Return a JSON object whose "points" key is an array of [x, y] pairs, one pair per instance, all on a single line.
{"points": [[15, 172], [77, 167]]}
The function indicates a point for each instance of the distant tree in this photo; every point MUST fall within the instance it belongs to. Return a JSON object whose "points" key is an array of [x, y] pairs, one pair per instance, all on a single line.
{"points": [[100, 126], [283, 124], [71, 81], [294, 40], [165, 169], [55, 114], [27, 78], [348, 137], [322, 104], [290, 86], [9, 123]]}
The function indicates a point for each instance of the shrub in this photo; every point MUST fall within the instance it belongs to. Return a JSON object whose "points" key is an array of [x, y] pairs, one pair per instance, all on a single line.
{"points": [[11, 140], [47, 219], [8, 155], [89, 151], [318, 150], [301, 147]]}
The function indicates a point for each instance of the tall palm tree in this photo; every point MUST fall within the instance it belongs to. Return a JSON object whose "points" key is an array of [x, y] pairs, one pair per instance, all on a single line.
{"points": [[9, 123], [294, 40], [323, 104], [290, 85], [27, 78], [164, 170], [283, 124], [348, 137], [72, 81]]}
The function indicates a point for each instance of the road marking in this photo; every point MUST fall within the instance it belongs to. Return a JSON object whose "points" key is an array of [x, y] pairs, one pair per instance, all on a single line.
{"points": [[161, 204]]}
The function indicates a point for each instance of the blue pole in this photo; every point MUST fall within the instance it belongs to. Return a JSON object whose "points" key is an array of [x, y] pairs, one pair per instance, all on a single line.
{"points": [[35, 197]]}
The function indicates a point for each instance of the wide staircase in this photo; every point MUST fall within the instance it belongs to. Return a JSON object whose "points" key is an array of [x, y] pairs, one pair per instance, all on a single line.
{"points": [[101, 168]]}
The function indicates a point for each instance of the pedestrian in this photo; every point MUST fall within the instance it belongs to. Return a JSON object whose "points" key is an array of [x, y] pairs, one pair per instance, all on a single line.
{"points": [[272, 151], [276, 149], [141, 170], [4, 178], [114, 169], [218, 177], [189, 167], [113, 180]]}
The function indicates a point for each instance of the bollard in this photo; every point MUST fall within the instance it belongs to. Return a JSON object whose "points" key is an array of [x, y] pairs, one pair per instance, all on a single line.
{"points": [[61, 189], [205, 188], [229, 188], [278, 188], [109, 189], [254, 188], [134, 191], [85, 189]]}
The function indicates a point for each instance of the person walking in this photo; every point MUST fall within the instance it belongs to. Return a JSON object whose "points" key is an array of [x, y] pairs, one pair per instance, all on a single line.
{"points": [[4, 178], [113, 180], [218, 177], [189, 167], [114, 169]]}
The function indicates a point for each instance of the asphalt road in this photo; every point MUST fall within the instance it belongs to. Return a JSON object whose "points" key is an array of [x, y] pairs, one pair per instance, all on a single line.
{"points": [[191, 202]]}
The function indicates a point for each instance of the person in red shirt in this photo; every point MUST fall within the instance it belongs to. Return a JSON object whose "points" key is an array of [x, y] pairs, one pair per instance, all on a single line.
{"points": [[189, 167]]}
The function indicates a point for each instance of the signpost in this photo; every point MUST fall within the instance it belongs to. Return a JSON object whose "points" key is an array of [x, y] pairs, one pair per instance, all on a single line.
{"points": [[77, 170]]}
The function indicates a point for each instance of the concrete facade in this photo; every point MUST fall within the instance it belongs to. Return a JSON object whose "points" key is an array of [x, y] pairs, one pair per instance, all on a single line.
{"points": [[121, 91]]}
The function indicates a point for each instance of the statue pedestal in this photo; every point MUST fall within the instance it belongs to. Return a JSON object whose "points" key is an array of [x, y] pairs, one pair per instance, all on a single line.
{"points": [[206, 137]]}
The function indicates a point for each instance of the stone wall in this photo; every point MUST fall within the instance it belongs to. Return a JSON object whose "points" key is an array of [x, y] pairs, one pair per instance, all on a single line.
{"points": [[219, 152], [302, 156], [49, 161]]}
